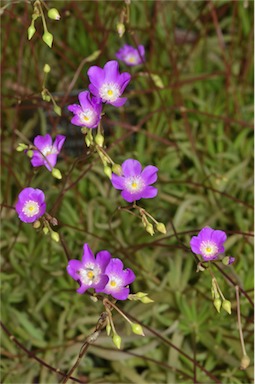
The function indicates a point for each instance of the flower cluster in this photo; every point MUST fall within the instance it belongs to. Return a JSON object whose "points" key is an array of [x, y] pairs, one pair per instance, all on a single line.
{"points": [[130, 55], [106, 86], [104, 274]]}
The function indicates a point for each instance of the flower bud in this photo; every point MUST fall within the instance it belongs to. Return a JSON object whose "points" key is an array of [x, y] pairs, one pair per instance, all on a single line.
{"points": [[37, 224], [88, 141], [146, 300], [31, 31], [108, 171], [108, 329], [99, 139], [46, 68], [57, 110], [116, 168], [30, 153], [149, 229], [116, 340], [226, 305], [56, 173], [45, 230], [245, 362], [55, 236], [120, 29], [161, 228], [141, 294], [53, 14], [21, 147], [137, 329], [217, 304], [227, 260], [48, 38]]}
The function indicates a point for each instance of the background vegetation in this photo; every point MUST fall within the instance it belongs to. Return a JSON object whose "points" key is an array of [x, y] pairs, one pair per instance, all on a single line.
{"points": [[189, 112]]}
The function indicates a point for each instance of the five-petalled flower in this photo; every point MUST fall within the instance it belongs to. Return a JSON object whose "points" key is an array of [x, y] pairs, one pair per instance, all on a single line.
{"points": [[30, 205], [88, 113], [119, 279], [134, 182], [208, 243], [130, 55], [90, 271], [108, 84], [47, 152]]}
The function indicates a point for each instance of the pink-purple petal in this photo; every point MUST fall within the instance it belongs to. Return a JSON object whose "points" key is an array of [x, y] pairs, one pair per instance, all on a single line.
{"points": [[73, 268], [94, 90], [124, 79], [118, 181], [131, 167], [88, 255], [99, 287], [120, 294], [76, 120], [75, 108], [111, 70], [128, 276], [149, 192], [119, 102], [59, 142], [149, 174], [115, 266], [102, 259], [96, 76], [84, 100], [43, 141], [130, 197]]}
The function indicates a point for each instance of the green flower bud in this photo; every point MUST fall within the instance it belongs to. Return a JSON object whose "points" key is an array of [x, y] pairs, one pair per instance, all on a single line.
{"points": [[48, 38], [88, 141], [120, 29], [31, 31], [161, 228], [53, 14], [108, 329], [57, 110], [137, 329], [245, 362], [55, 236], [56, 173], [37, 224], [149, 229], [226, 305], [21, 147], [45, 230], [116, 168], [141, 294], [46, 68], [30, 153], [217, 304], [99, 139], [146, 300], [108, 171], [116, 340]]}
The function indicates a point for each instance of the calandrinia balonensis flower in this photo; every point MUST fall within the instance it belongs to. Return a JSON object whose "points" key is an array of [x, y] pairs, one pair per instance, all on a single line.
{"points": [[119, 279], [130, 55], [208, 243], [47, 152], [90, 271], [88, 113], [108, 83], [30, 205], [134, 182]]}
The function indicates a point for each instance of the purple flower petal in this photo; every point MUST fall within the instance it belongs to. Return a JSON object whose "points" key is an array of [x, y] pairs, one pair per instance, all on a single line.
{"points": [[83, 288], [96, 76], [115, 266], [51, 161], [128, 276], [75, 108], [43, 141], [119, 102], [124, 79], [102, 259], [121, 294], [94, 90], [111, 70], [195, 245], [88, 255], [131, 197], [84, 100], [131, 167], [73, 268], [118, 181], [219, 236], [101, 284], [59, 142], [149, 192], [76, 120], [149, 174]]}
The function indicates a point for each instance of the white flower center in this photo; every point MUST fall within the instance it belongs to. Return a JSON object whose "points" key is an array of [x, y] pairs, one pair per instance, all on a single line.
{"points": [[49, 150], [208, 248], [114, 282], [90, 274], [109, 92], [131, 59], [87, 115], [31, 208], [134, 184]]}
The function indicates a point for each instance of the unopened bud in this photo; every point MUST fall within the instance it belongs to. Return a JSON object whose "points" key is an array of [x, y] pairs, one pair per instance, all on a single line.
{"points": [[217, 304], [53, 14], [31, 31], [94, 299], [141, 294], [30, 153], [245, 362], [137, 329], [116, 168], [45, 230], [108, 171], [99, 139], [56, 173], [48, 38], [21, 147], [227, 260], [46, 68], [161, 228], [36, 224], [116, 340], [120, 29], [88, 141], [57, 110], [55, 236], [226, 305], [108, 329], [149, 229], [146, 300]]}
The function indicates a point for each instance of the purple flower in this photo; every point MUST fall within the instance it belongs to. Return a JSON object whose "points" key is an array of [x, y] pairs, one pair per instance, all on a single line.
{"points": [[119, 279], [208, 243], [47, 150], [130, 55], [90, 271], [30, 205], [88, 113], [135, 183], [108, 83]]}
